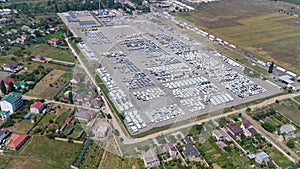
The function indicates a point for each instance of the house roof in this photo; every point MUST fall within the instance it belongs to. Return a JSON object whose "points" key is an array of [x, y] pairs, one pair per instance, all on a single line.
{"points": [[96, 103], [54, 39], [87, 115], [150, 156], [12, 97], [218, 133], [40, 57], [68, 120], [3, 134], [168, 146], [16, 139], [3, 113], [37, 105], [8, 80], [251, 156], [252, 130], [287, 128], [77, 78], [189, 149], [262, 155], [19, 84], [10, 65], [246, 123], [234, 128]]}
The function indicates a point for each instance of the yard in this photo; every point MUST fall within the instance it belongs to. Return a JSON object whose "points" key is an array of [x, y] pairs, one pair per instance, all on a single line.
{"points": [[48, 86], [52, 52], [41, 152]]}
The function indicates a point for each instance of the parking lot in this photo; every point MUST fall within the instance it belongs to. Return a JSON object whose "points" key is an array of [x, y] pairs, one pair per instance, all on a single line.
{"points": [[157, 75]]}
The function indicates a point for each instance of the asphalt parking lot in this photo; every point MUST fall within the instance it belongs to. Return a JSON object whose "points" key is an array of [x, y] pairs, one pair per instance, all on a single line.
{"points": [[157, 75]]}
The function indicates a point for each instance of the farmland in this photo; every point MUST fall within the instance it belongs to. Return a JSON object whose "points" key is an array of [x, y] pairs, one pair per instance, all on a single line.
{"points": [[254, 26], [48, 86]]}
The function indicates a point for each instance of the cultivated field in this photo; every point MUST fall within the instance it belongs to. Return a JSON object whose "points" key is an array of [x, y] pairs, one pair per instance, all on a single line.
{"points": [[254, 26], [43, 88]]}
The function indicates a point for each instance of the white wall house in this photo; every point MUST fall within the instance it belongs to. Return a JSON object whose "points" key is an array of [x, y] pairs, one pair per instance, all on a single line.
{"points": [[11, 102]]}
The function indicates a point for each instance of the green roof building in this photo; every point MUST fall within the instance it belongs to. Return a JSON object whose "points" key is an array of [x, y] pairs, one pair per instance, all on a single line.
{"points": [[11, 102]]}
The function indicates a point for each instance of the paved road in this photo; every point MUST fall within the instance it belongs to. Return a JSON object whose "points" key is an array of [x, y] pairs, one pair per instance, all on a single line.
{"points": [[271, 139]]}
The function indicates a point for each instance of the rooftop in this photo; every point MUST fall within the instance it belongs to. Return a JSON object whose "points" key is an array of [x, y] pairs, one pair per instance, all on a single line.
{"points": [[12, 97], [16, 139], [37, 105], [234, 128], [189, 149]]}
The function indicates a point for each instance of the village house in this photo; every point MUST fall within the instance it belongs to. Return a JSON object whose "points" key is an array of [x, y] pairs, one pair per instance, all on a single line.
{"points": [[219, 135], [262, 158], [85, 115], [287, 130], [170, 149], [75, 80], [4, 115], [11, 102], [150, 159], [234, 131], [54, 42], [8, 80], [189, 150], [17, 140], [3, 135], [9, 67], [37, 107]]}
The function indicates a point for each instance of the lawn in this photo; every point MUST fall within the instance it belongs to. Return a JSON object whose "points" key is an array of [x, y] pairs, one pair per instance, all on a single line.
{"points": [[288, 108], [297, 98], [114, 161], [48, 86], [41, 152], [52, 52]]}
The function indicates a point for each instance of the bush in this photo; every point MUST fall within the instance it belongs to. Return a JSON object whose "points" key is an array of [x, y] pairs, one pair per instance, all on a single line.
{"points": [[269, 127], [290, 144]]}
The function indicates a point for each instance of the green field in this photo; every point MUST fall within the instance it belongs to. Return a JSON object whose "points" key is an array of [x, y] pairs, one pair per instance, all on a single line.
{"points": [[41, 152], [297, 98], [258, 30], [288, 108], [253, 26], [52, 52]]}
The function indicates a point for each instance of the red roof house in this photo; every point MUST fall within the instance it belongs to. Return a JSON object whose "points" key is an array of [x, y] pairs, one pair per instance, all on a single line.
{"points": [[7, 81], [36, 107], [68, 120], [17, 140], [53, 41]]}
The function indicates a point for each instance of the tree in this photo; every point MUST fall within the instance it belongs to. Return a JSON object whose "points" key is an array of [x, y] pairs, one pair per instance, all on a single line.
{"points": [[11, 87], [269, 127], [271, 67], [2, 87], [70, 97], [291, 144]]}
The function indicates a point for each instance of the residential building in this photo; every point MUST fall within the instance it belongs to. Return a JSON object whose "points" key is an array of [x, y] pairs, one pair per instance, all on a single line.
{"points": [[170, 149], [96, 103], [54, 42], [85, 115], [7, 81], [75, 80], [219, 135], [9, 67], [3, 135], [40, 58], [234, 130], [68, 120], [17, 140], [287, 129], [189, 150], [246, 124], [37, 107], [4, 115], [150, 159], [11, 102], [262, 158], [19, 85]]}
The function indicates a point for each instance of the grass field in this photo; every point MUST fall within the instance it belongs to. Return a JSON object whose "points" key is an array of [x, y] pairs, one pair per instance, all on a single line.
{"points": [[43, 89], [52, 52], [297, 98], [254, 26], [114, 161], [288, 108], [41, 152]]}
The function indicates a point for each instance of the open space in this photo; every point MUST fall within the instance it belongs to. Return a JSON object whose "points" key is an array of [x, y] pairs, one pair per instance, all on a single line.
{"points": [[254, 26]]}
